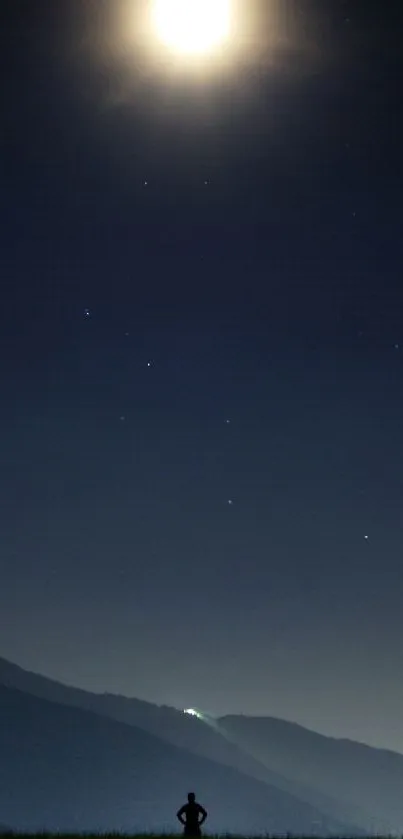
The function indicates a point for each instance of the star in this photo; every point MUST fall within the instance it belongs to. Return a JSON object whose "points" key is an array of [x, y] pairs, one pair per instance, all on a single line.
{"points": [[366, 537], [230, 502], [87, 313], [149, 363]]}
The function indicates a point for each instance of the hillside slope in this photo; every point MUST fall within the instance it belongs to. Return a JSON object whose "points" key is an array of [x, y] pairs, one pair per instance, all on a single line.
{"points": [[220, 744], [367, 782], [65, 769], [180, 730]]}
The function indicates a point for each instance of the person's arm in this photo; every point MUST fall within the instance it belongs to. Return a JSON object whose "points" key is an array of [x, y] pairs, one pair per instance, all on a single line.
{"points": [[203, 814], [179, 815]]}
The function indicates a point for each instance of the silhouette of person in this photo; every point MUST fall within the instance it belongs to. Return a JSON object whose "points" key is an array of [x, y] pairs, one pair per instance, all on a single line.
{"points": [[189, 815]]}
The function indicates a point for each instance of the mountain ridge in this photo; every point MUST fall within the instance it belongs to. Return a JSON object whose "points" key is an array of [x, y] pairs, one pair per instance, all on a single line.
{"points": [[218, 742], [65, 768], [370, 779]]}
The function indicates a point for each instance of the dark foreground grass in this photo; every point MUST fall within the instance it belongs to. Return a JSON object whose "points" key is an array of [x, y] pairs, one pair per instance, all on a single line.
{"points": [[117, 835]]}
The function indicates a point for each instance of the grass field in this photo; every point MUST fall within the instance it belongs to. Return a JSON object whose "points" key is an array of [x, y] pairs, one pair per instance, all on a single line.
{"points": [[107, 835]]}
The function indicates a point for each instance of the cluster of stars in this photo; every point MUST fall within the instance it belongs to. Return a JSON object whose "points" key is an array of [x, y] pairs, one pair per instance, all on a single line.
{"points": [[227, 421], [149, 364]]}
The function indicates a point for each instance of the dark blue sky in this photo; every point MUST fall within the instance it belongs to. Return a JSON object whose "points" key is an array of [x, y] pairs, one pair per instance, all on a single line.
{"points": [[178, 252]]}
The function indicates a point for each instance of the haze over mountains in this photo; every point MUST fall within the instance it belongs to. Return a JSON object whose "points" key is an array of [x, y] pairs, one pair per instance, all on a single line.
{"points": [[74, 760]]}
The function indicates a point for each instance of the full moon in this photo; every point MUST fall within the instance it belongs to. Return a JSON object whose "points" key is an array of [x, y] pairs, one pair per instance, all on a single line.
{"points": [[192, 27]]}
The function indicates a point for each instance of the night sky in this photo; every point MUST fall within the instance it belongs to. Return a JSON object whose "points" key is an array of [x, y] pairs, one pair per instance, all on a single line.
{"points": [[201, 323]]}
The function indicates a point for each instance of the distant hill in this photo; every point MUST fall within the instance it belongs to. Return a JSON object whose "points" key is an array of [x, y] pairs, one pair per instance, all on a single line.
{"points": [[285, 756], [66, 769], [178, 729], [366, 782]]}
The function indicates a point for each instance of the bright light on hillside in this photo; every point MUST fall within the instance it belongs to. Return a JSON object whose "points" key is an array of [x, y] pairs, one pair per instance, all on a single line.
{"points": [[192, 712]]}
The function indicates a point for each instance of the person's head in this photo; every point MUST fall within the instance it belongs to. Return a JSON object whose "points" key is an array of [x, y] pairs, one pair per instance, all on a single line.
{"points": [[191, 797]]}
